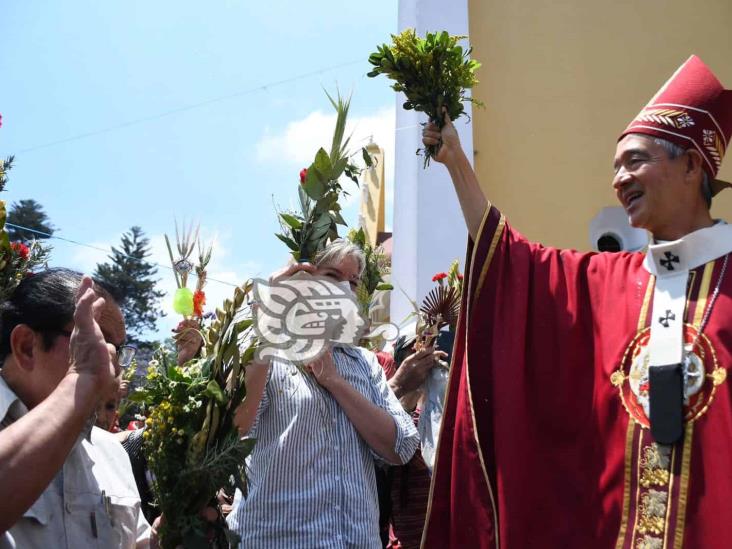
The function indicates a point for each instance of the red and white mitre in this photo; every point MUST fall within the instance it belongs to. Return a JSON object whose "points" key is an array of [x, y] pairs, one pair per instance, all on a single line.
{"points": [[693, 110]]}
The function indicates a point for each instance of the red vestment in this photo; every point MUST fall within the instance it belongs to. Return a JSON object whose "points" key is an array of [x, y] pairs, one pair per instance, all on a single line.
{"points": [[544, 444]]}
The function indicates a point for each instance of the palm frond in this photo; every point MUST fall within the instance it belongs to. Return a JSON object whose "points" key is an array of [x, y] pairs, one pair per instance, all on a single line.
{"points": [[338, 146], [441, 306]]}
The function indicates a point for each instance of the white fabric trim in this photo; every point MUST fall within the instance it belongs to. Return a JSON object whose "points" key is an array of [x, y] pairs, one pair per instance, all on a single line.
{"points": [[667, 335], [670, 263], [694, 250]]}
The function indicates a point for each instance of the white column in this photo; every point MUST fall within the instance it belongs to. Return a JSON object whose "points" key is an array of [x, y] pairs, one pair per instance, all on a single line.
{"points": [[429, 231]]}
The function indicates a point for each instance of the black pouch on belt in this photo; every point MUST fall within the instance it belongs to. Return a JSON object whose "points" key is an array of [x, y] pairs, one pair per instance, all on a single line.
{"points": [[666, 403]]}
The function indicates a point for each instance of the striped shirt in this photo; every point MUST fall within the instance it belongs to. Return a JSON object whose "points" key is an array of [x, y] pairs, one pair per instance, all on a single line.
{"points": [[311, 475]]}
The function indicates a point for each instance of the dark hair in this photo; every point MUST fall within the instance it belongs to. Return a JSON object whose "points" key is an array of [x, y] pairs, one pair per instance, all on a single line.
{"points": [[45, 302]]}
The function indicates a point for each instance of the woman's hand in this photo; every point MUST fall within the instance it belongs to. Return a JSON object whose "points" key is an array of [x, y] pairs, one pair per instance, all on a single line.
{"points": [[324, 370]]}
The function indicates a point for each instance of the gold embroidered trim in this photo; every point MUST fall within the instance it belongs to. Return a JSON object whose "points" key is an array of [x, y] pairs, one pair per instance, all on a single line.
{"points": [[714, 145], [637, 491], [667, 117], [643, 317], [683, 487], [648, 542], [655, 462], [652, 512], [619, 377], [494, 243], [703, 294], [450, 379], [626, 483]]}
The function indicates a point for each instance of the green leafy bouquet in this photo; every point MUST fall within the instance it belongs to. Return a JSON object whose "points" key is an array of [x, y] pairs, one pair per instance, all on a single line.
{"points": [[377, 266], [433, 72], [306, 232], [190, 441]]}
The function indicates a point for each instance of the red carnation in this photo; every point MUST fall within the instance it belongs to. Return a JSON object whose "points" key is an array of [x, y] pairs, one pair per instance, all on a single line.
{"points": [[21, 249], [439, 276], [303, 175], [199, 300], [459, 277]]}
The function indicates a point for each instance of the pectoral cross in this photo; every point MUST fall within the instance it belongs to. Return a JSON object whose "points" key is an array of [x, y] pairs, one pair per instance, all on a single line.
{"points": [[670, 260], [666, 320]]}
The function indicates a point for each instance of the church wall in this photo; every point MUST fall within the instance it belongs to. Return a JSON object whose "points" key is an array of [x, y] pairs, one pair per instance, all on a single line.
{"points": [[560, 81]]}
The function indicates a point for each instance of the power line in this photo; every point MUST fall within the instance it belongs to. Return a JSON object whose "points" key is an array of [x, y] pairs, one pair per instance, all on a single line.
{"points": [[249, 91], [100, 249]]}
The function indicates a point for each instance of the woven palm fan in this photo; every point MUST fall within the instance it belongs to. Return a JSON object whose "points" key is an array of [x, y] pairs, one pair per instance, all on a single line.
{"points": [[441, 306]]}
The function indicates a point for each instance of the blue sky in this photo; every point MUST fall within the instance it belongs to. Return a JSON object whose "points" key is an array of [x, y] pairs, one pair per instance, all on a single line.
{"points": [[75, 68]]}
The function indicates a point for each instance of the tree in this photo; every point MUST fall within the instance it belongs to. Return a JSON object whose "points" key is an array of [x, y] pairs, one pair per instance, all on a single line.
{"points": [[5, 166], [131, 279], [30, 214]]}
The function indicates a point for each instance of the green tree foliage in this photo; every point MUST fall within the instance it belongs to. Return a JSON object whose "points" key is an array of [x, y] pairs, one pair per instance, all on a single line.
{"points": [[130, 276], [29, 213], [5, 166]]}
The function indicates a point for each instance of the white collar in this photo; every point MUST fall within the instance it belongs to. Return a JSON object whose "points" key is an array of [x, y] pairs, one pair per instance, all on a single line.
{"points": [[12, 409], [690, 251]]}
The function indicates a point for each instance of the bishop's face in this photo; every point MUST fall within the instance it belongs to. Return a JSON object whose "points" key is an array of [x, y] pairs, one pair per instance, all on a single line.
{"points": [[649, 184]]}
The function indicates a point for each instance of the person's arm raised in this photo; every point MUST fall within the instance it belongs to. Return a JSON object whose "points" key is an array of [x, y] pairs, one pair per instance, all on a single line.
{"points": [[472, 200], [255, 376], [33, 448]]}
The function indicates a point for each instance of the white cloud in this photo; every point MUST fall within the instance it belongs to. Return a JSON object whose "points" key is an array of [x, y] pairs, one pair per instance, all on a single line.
{"points": [[298, 142], [85, 258]]}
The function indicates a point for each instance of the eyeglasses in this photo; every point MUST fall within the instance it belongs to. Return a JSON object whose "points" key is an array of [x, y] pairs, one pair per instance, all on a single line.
{"points": [[125, 353]]}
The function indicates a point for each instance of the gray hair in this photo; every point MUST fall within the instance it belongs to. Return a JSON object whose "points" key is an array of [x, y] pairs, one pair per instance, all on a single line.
{"points": [[674, 151], [337, 251]]}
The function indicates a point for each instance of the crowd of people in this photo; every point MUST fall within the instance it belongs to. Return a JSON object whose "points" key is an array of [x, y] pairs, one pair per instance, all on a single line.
{"points": [[583, 387], [322, 439]]}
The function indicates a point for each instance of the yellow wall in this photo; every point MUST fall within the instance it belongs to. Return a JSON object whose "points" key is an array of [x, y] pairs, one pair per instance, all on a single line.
{"points": [[560, 81]]}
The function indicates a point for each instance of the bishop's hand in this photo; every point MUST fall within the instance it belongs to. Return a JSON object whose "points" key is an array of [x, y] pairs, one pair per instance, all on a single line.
{"points": [[448, 139]]}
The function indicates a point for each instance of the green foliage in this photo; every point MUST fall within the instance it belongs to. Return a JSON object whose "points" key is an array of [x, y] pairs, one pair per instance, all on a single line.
{"points": [[307, 231], [131, 277], [5, 166], [190, 441], [433, 72], [30, 214], [377, 266], [17, 260]]}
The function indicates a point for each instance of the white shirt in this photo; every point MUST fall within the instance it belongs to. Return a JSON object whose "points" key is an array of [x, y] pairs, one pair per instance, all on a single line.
{"points": [[92, 501], [311, 476]]}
